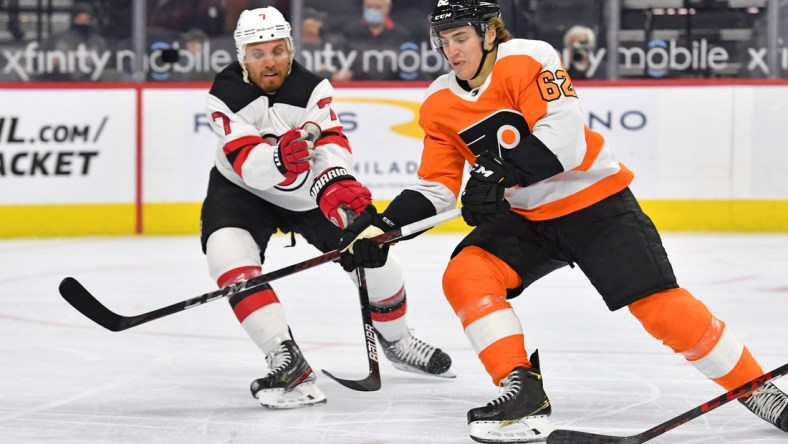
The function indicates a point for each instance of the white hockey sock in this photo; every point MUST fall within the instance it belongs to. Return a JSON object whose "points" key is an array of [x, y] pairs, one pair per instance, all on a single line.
{"points": [[387, 299]]}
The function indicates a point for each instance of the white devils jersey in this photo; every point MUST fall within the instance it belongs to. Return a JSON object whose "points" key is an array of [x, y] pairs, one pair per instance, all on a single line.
{"points": [[249, 122]]}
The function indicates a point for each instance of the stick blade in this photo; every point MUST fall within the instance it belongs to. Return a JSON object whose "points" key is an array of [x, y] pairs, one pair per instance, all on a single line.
{"points": [[574, 437], [369, 384], [81, 299]]}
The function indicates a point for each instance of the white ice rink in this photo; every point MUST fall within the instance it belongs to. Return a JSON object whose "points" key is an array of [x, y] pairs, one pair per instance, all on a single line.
{"points": [[185, 378]]}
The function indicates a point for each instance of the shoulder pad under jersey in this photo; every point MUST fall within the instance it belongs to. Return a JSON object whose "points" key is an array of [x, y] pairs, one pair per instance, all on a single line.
{"points": [[229, 87]]}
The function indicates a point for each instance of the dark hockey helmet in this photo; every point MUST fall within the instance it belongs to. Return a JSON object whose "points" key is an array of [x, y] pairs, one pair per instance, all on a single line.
{"points": [[456, 13]]}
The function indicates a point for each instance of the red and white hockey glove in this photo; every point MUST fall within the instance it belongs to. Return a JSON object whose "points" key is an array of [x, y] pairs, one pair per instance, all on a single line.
{"points": [[295, 149], [337, 192]]}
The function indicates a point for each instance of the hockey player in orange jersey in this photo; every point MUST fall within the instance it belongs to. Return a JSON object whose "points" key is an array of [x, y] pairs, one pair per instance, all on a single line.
{"points": [[544, 192]]}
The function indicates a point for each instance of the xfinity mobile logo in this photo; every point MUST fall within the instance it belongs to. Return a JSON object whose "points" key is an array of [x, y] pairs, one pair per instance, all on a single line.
{"points": [[409, 61]]}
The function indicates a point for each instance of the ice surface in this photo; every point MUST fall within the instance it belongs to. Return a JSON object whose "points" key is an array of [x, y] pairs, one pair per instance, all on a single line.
{"points": [[185, 378]]}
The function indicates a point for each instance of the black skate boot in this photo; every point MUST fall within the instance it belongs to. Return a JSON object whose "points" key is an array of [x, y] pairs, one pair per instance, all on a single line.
{"points": [[519, 414], [770, 404], [414, 355], [290, 383]]}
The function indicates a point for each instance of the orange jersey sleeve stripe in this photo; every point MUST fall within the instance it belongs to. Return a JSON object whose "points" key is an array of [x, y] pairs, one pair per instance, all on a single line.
{"points": [[594, 144], [520, 68], [588, 196]]}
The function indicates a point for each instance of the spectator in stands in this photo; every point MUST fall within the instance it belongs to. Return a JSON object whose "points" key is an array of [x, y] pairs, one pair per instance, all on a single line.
{"points": [[209, 17], [376, 31], [191, 58], [579, 44], [315, 38], [172, 15], [342, 12], [59, 65], [758, 67], [404, 13]]}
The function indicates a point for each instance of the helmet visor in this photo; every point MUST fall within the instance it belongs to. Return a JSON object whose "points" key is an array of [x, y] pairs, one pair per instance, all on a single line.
{"points": [[258, 54], [439, 43]]}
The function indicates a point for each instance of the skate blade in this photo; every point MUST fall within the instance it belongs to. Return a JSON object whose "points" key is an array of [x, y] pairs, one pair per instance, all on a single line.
{"points": [[302, 395], [529, 429], [408, 368]]}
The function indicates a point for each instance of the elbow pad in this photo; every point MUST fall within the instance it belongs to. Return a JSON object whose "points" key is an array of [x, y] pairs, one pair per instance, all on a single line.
{"points": [[533, 161]]}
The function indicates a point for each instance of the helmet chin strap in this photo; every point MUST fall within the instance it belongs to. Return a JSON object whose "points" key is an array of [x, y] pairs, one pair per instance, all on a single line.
{"points": [[481, 63]]}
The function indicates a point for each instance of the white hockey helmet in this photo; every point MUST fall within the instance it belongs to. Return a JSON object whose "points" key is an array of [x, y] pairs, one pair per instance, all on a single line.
{"points": [[260, 25]]}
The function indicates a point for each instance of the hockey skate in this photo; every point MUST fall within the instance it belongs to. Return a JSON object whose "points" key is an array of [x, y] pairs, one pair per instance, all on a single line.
{"points": [[770, 404], [411, 354], [290, 383], [519, 414]]}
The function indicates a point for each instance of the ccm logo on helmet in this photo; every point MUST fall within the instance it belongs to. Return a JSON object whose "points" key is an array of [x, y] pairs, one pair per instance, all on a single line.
{"points": [[441, 16]]}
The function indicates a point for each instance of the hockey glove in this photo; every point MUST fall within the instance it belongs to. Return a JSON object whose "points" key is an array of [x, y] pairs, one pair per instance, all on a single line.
{"points": [[357, 250], [483, 198], [295, 148], [337, 192]]}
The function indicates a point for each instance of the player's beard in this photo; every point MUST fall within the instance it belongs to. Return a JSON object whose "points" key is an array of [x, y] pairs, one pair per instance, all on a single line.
{"points": [[271, 79]]}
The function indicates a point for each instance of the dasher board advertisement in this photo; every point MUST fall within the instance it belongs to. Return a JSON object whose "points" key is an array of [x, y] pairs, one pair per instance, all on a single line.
{"points": [[69, 146]]}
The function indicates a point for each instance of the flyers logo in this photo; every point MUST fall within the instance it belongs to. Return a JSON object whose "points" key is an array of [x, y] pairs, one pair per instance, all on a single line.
{"points": [[502, 130]]}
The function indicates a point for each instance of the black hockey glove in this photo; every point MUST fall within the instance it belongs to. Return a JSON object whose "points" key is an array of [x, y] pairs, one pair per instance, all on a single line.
{"points": [[482, 199], [357, 249]]}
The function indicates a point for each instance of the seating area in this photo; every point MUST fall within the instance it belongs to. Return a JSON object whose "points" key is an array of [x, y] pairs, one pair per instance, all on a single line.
{"points": [[733, 25], [32, 19], [691, 24]]}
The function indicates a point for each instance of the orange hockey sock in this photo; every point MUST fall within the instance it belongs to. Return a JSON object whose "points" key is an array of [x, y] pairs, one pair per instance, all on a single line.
{"points": [[684, 324], [475, 284]]}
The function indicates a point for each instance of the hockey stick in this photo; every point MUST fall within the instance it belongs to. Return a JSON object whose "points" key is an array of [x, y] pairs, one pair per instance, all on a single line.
{"points": [[372, 381], [572, 437], [81, 299]]}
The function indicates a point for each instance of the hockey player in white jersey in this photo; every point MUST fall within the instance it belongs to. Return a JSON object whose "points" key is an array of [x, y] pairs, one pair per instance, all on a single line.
{"points": [[283, 163]]}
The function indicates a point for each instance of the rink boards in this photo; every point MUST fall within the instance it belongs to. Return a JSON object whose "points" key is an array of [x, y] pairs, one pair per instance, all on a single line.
{"points": [[96, 159]]}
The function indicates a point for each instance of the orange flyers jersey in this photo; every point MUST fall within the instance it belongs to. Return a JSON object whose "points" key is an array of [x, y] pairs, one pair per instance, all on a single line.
{"points": [[528, 92]]}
